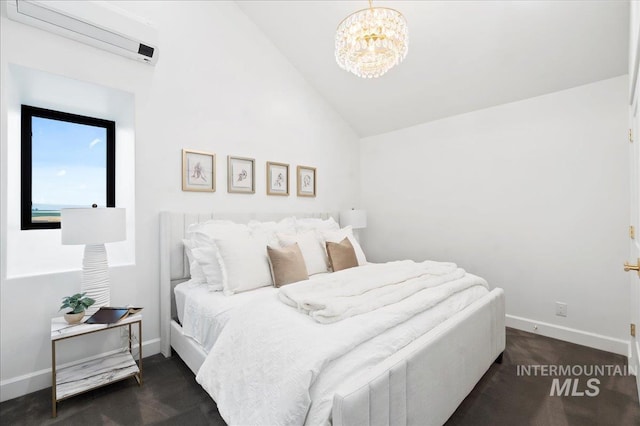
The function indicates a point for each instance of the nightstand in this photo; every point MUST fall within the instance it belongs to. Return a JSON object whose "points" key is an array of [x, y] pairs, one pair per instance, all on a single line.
{"points": [[79, 378]]}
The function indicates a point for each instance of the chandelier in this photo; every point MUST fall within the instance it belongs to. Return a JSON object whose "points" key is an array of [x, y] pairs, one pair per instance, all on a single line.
{"points": [[370, 42]]}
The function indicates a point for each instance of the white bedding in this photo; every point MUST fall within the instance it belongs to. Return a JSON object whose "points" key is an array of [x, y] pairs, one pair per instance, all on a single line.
{"points": [[206, 313], [371, 287], [270, 361], [203, 313]]}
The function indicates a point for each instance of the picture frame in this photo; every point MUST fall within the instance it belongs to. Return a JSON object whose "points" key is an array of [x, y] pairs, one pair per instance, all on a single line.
{"points": [[241, 175], [198, 171], [306, 178], [277, 178]]}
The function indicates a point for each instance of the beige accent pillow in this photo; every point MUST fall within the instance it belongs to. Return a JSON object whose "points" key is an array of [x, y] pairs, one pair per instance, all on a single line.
{"points": [[341, 255], [287, 265], [347, 231]]}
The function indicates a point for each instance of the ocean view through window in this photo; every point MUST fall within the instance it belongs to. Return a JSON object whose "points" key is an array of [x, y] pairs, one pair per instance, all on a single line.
{"points": [[68, 160]]}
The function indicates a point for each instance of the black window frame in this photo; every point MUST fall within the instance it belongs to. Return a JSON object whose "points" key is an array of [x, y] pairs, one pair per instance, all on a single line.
{"points": [[26, 172]]}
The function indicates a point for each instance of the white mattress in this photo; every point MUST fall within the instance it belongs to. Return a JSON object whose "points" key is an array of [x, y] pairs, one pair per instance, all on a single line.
{"points": [[203, 313]]}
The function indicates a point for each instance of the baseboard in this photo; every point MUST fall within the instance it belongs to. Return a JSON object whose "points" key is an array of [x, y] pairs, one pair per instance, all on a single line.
{"points": [[41, 379], [572, 335]]}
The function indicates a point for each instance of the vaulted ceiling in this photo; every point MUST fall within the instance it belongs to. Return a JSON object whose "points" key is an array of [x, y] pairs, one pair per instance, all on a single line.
{"points": [[463, 55]]}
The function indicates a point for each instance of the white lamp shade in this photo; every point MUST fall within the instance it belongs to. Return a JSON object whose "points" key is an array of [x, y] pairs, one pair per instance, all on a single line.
{"points": [[93, 226], [357, 219]]}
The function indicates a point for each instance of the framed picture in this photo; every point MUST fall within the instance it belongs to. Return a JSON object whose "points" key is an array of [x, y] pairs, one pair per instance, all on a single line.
{"points": [[241, 175], [198, 171], [277, 178], [306, 181]]}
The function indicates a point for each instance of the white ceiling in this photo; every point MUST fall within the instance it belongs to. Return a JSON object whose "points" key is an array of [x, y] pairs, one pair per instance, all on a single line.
{"points": [[463, 55]]}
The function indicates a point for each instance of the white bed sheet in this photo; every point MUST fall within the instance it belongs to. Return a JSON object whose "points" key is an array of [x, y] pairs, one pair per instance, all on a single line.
{"points": [[203, 314], [180, 291]]}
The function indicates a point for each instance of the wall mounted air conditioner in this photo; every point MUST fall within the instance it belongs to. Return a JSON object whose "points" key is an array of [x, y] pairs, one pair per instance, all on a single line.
{"points": [[95, 23]]}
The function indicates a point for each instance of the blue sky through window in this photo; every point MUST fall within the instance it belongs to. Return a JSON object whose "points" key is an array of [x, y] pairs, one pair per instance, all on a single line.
{"points": [[68, 164]]}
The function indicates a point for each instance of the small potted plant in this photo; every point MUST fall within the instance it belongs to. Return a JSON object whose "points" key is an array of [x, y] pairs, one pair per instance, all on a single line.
{"points": [[78, 304]]}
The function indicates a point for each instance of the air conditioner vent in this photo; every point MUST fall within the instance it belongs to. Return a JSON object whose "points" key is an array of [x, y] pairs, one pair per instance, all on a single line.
{"points": [[95, 23]]}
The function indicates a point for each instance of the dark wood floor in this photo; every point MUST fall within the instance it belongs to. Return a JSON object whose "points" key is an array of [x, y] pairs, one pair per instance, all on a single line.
{"points": [[502, 397], [170, 395]]}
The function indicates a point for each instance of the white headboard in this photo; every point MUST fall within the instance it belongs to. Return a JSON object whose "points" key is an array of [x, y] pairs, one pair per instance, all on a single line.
{"points": [[174, 267]]}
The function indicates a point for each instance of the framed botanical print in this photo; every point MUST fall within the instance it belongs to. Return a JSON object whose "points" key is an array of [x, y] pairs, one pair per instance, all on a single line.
{"points": [[277, 178], [241, 175], [306, 181], [198, 171]]}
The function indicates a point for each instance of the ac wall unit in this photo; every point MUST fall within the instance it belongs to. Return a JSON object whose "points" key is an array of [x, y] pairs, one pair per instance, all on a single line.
{"points": [[95, 23]]}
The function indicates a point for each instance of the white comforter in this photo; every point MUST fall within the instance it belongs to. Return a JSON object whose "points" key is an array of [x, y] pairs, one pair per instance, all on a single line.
{"points": [[329, 300], [270, 361]]}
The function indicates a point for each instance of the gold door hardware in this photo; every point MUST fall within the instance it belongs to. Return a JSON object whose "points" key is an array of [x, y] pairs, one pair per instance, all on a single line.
{"points": [[633, 330], [632, 232], [636, 267]]}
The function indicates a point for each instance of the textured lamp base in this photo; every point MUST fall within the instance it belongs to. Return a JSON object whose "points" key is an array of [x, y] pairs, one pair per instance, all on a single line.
{"points": [[95, 276]]}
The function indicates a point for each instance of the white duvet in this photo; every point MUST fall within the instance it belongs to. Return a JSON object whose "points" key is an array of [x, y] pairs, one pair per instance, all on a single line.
{"points": [[329, 299], [272, 365]]}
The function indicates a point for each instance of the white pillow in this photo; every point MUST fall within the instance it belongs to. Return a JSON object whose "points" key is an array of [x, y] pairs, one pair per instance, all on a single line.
{"points": [[207, 258], [314, 223], [202, 246], [244, 264], [339, 235], [265, 232], [204, 233], [195, 270], [312, 248]]}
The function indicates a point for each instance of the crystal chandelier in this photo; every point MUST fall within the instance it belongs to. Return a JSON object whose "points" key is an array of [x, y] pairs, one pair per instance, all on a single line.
{"points": [[370, 42]]}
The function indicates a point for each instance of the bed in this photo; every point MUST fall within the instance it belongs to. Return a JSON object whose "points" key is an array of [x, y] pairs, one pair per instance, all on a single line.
{"points": [[421, 383]]}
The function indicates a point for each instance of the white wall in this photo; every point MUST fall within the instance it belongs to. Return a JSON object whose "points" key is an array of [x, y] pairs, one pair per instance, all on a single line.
{"points": [[219, 86], [35, 253], [531, 195]]}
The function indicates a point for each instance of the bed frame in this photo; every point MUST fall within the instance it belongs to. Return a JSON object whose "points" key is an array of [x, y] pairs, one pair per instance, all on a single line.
{"points": [[423, 383]]}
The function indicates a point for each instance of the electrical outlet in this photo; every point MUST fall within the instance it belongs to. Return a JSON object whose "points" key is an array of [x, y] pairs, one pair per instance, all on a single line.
{"points": [[561, 309]]}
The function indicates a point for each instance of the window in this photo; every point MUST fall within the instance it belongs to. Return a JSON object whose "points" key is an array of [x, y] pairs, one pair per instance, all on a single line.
{"points": [[68, 160]]}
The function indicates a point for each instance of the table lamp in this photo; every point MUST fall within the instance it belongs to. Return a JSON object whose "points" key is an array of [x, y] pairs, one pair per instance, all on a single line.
{"points": [[94, 227]]}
